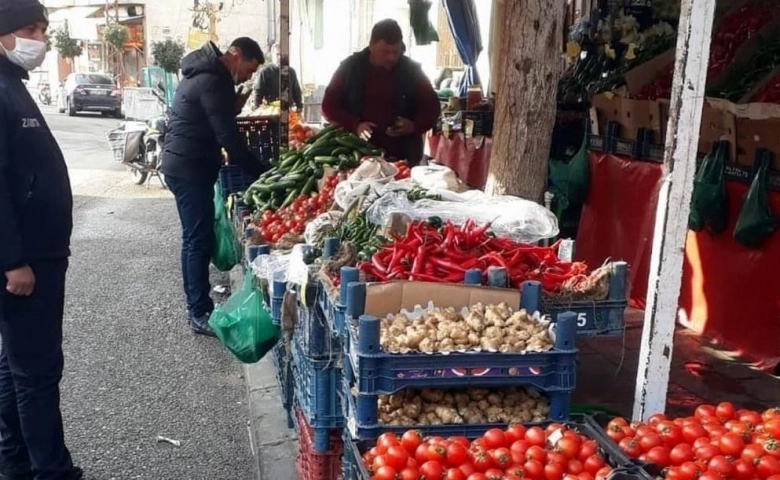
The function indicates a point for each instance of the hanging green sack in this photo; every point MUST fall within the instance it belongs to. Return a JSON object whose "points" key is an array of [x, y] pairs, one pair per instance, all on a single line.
{"points": [[243, 324], [570, 180], [709, 200], [424, 33], [755, 221], [226, 254]]}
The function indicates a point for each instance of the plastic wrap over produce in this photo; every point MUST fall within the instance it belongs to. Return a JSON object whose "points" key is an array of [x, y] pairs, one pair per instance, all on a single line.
{"points": [[369, 177], [287, 268], [510, 217]]}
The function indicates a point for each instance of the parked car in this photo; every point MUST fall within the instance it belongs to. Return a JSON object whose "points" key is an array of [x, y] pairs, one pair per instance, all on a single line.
{"points": [[90, 92]]}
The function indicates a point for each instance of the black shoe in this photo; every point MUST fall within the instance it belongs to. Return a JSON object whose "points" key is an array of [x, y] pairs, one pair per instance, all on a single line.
{"points": [[23, 476], [201, 327]]}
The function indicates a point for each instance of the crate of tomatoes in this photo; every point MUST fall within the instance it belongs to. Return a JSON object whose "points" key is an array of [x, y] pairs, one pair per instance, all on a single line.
{"points": [[716, 442], [570, 450]]}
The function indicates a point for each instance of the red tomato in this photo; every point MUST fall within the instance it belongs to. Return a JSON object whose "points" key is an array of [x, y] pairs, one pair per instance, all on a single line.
{"points": [[603, 473], [553, 471], [514, 433], [494, 474], [453, 474], [467, 469], [574, 466], [535, 452], [659, 456], [593, 464], [710, 475], [631, 447], [570, 476], [615, 432], [494, 438], [770, 414], [587, 450], [534, 469], [670, 433], [436, 452], [461, 440], [644, 430], [409, 473], [457, 454], [477, 476], [691, 470], [650, 441], [520, 447], [618, 422], [585, 476], [704, 454], [749, 417], [744, 470], [557, 457], [515, 471], [674, 473], [725, 411], [767, 466], [681, 453], [752, 452], [502, 457], [553, 427], [704, 411], [481, 460], [431, 471], [421, 453], [397, 457], [772, 427], [655, 419], [772, 447], [731, 444], [568, 446], [410, 440], [536, 436], [385, 473], [377, 451], [721, 465]]}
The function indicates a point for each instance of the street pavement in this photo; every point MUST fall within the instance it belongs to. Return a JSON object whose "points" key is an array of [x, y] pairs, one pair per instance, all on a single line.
{"points": [[133, 369]]}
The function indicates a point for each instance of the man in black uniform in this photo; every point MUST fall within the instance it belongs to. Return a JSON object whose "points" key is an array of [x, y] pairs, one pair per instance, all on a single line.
{"points": [[35, 226], [201, 122]]}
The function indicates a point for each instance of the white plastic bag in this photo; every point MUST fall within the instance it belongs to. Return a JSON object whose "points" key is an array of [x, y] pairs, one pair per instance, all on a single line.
{"points": [[437, 177], [321, 225], [370, 176], [511, 217]]}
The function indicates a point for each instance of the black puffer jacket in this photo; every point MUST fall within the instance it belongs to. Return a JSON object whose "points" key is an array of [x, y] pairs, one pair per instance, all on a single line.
{"points": [[36, 203], [202, 120]]}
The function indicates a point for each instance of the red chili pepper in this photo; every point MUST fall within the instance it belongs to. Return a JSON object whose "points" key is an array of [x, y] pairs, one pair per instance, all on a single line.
{"points": [[377, 261], [446, 264], [419, 261]]}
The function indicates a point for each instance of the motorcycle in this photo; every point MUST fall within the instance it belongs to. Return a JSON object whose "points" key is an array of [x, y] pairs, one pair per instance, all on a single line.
{"points": [[139, 146], [44, 95]]}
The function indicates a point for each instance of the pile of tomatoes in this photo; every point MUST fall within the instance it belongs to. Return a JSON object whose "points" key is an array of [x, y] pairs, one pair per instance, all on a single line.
{"points": [[533, 453], [716, 443], [292, 220]]}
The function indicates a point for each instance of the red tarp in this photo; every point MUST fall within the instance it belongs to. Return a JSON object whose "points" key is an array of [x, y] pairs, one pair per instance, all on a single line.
{"points": [[469, 158], [729, 293]]}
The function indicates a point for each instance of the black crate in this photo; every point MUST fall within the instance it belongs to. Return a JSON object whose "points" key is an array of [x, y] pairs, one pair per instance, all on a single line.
{"points": [[261, 135], [483, 122]]}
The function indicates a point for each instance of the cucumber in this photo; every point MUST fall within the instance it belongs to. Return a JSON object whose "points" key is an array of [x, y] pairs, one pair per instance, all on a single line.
{"points": [[318, 173], [292, 179], [290, 198], [309, 186], [341, 150], [325, 160]]}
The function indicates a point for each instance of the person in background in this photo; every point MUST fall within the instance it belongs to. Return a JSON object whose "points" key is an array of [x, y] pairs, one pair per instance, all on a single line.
{"points": [[267, 87], [202, 121], [382, 95], [36, 221]]}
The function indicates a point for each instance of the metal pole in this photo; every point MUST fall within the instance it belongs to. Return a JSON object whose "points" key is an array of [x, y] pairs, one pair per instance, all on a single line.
{"points": [[674, 201], [284, 72]]}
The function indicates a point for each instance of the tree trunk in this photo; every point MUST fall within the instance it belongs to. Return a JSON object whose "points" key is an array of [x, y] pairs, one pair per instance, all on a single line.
{"points": [[526, 88]]}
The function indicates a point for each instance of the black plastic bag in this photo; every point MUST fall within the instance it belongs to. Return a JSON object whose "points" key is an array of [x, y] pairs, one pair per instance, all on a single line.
{"points": [[709, 200], [755, 221]]}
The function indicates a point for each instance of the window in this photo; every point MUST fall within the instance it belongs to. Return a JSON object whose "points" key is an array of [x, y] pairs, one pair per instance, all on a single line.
{"points": [[94, 79]]}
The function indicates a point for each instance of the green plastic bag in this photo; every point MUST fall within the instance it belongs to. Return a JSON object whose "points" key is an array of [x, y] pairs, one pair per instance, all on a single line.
{"points": [[570, 180], [226, 254], [243, 324], [755, 221], [709, 200]]}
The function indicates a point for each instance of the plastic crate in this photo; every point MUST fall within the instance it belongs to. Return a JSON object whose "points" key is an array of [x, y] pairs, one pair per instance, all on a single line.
{"points": [[317, 465], [318, 384], [362, 417], [483, 122], [623, 468], [377, 372], [282, 361], [233, 179], [599, 421], [261, 135], [314, 331], [598, 318]]}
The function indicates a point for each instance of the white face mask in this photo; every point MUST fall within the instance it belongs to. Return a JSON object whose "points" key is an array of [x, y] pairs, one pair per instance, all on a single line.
{"points": [[28, 54]]}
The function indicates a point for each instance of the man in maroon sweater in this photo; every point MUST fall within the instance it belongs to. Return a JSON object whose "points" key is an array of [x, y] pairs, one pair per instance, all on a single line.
{"points": [[382, 94]]}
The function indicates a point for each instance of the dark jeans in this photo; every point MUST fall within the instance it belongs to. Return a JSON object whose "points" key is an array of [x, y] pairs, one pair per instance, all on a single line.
{"points": [[195, 202], [31, 362]]}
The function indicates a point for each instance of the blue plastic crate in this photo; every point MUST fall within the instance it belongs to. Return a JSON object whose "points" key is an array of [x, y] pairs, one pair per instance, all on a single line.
{"points": [[233, 179], [598, 318], [362, 417], [377, 372], [624, 469], [282, 361], [317, 389], [315, 333]]}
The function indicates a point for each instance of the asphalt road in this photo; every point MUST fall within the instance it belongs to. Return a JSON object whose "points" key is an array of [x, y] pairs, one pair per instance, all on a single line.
{"points": [[133, 370]]}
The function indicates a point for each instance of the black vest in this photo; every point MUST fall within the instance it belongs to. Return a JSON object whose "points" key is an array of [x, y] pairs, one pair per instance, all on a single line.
{"points": [[406, 75]]}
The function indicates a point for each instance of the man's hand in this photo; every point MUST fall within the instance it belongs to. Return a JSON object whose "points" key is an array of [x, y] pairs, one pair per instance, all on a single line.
{"points": [[21, 281], [365, 130], [401, 128]]}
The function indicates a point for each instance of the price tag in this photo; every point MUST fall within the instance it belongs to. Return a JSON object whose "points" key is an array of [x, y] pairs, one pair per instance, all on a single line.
{"points": [[554, 437]]}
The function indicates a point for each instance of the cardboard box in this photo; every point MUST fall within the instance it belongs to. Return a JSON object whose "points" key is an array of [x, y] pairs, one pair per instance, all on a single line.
{"points": [[756, 125], [630, 114], [646, 73], [385, 298], [718, 122]]}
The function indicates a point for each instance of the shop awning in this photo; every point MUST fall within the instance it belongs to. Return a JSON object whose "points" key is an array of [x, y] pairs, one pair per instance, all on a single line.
{"points": [[82, 23]]}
